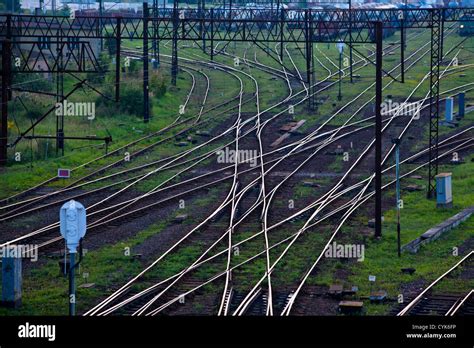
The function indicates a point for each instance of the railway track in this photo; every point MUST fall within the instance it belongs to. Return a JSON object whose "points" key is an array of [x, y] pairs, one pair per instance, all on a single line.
{"points": [[432, 302], [175, 123], [154, 312], [160, 295], [14, 207], [113, 164]]}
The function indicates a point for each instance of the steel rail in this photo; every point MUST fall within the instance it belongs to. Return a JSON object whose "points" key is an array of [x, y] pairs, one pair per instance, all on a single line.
{"points": [[53, 193], [405, 310], [452, 311], [318, 209], [333, 212], [289, 305]]}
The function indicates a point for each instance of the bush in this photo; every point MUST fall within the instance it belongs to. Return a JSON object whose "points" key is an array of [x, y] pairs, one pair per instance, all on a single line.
{"points": [[110, 44], [157, 85], [34, 114], [34, 82], [131, 101], [134, 66]]}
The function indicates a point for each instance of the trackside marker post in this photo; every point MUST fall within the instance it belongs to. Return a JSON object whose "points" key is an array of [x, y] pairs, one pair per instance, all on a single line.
{"points": [[372, 279], [73, 225], [64, 173], [340, 47]]}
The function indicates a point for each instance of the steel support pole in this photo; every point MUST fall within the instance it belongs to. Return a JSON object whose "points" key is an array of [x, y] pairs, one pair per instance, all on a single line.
{"points": [[212, 34], [101, 14], [309, 57], [157, 38], [154, 39], [351, 59], [339, 96], [436, 37], [11, 39], [311, 62], [146, 101], [282, 20], [442, 19], [6, 85], [6, 72], [72, 284], [202, 7], [402, 49], [60, 96], [378, 129], [174, 50], [118, 41], [397, 175]]}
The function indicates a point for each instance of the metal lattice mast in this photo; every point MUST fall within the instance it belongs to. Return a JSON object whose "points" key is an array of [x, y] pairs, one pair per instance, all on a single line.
{"points": [[101, 14], [172, 27], [282, 24], [436, 43], [378, 128], [351, 57], [212, 34], [118, 40], [146, 99], [60, 95], [174, 53], [6, 75], [201, 9], [156, 40], [309, 57], [402, 47]]}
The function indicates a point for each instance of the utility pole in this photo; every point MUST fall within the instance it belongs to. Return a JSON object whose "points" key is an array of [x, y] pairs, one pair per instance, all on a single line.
{"points": [[6, 76], [146, 101], [402, 44], [212, 33], [174, 53], [201, 14], [155, 40], [340, 47], [309, 56], [118, 36], [282, 19], [60, 95], [378, 129], [350, 42], [436, 54], [101, 13], [396, 142]]}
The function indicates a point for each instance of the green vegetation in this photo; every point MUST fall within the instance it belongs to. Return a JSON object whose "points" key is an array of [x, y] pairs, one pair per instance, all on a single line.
{"points": [[418, 215], [45, 289]]}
